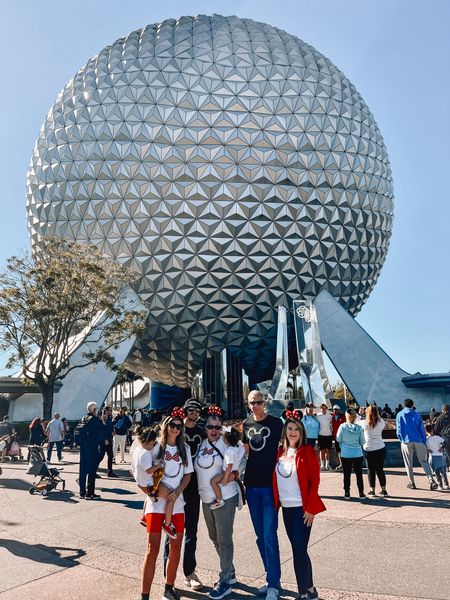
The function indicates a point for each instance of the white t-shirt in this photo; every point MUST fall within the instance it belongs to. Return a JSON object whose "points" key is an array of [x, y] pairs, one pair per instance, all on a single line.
{"points": [[373, 435], [209, 463], [55, 429], [137, 416], [233, 456], [141, 460], [325, 423], [174, 471], [287, 480], [434, 445]]}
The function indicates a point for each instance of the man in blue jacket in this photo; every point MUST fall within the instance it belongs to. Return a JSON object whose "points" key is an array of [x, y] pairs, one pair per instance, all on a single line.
{"points": [[411, 433]]}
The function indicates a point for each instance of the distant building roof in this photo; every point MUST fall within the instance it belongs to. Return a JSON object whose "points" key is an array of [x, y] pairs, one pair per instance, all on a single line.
{"points": [[421, 380]]}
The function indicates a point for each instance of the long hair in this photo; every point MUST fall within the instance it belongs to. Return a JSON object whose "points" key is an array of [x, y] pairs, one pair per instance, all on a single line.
{"points": [[180, 439], [372, 415], [350, 415], [284, 437], [35, 422]]}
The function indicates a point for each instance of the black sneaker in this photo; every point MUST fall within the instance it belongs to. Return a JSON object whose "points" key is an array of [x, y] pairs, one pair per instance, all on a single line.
{"points": [[314, 595], [362, 496], [384, 493], [371, 493], [170, 594], [83, 496], [94, 497], [346, 496], [411, 486], [433, 485]]}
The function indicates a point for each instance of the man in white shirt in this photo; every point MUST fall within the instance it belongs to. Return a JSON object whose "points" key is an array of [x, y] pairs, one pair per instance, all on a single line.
{"points": [[55, 432], [325, 438]]}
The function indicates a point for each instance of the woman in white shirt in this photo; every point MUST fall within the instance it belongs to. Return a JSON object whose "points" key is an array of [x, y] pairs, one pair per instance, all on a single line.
{"points": [[375, 448], [175, 455]]}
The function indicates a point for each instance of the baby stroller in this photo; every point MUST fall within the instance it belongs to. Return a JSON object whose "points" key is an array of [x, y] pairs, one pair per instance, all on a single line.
{"points": [[49, 477], [13, 452]]}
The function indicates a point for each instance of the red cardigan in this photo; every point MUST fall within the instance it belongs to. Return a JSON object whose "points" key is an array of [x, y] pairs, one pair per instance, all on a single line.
{"points": [[308, 473]]}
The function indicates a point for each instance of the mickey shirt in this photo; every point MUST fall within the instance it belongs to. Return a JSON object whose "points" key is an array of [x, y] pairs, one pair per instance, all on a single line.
{"points": [[194, 438], [263, 439], [174, 471]]}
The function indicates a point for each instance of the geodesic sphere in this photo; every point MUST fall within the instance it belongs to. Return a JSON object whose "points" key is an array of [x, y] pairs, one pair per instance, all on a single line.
{"points": [[233, 167]]}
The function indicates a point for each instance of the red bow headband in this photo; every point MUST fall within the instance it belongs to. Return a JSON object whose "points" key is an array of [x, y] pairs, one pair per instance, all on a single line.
{"points": [[293, 414], [215, 410], [177, 413]]}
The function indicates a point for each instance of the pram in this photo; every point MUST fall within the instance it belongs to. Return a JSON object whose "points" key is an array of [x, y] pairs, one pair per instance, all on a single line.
{"points": [[13, 452], [49, 477]]}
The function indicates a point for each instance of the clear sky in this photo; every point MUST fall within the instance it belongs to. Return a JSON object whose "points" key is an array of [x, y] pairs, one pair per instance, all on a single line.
{"points": [[397, 54]]}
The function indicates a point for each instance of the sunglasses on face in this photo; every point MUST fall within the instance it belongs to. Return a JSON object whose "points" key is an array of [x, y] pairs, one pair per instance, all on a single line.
{"points": [[175, 426], [193, 410], [256, 402], [215, 427]]}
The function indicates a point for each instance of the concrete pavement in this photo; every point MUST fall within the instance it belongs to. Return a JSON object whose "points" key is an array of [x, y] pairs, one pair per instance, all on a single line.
{"points": [[63, 547]]}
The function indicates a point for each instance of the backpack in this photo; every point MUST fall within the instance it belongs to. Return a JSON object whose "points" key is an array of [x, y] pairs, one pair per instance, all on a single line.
{"points": [[82, 432]]}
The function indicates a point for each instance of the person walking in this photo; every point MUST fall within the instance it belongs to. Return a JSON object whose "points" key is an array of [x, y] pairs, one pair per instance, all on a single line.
{"points": [[311, 425], [337, 418], [55, 432], [37, 432], [351, 439], [107, 445], [375, 448], [91, 432], [121, 424], [442, 428], [411, 433], [208, 463], [325, 438], [174, 454], [435, 445], [261, 438], [296, 489]]}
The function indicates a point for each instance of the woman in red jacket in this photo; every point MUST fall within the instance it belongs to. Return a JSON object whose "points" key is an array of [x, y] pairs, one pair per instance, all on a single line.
{"points": [[296, 489]]}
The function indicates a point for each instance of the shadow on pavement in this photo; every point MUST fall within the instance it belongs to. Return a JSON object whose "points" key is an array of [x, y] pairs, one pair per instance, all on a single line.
{"points": [[397, 501], [44, 554], [15, 484], [138, 504]]}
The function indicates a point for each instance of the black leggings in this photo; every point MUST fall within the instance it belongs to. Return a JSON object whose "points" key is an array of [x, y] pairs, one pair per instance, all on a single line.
{"points": [[375, 464], [356, 464]]}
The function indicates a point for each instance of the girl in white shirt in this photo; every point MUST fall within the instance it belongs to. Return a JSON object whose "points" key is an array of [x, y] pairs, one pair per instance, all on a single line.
{"points": [[233, 454], [375, 448]]}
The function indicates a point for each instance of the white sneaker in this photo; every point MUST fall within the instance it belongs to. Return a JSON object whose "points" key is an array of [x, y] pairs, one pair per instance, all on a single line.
{"points": [[193, 582], [262, 590], [272, 594]]}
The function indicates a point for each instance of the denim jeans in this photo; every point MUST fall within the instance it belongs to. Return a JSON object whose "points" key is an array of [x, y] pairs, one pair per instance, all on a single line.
{"points": [[298, 534], [59, 447], [265, 523], [438, 466]]}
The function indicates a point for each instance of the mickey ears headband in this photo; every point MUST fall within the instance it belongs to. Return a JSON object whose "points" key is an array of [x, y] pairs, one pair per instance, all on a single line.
{"points": [[177, 413], [215, 411], [295, 414]]}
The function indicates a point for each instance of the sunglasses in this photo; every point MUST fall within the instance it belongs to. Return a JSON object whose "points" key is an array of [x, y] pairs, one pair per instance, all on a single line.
{"points": [[256, 402], [215, 427], [175, 426], [193, 410]]}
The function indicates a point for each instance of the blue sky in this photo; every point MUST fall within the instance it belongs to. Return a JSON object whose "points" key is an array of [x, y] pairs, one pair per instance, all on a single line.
{"points": [[396, 52]]}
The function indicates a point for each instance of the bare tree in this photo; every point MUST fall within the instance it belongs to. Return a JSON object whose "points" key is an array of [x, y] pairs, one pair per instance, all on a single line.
{"points": [[51, 300]]}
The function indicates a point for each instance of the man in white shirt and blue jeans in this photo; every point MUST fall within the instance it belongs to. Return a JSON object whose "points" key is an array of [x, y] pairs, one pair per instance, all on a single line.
{"points": [[55, 431]]}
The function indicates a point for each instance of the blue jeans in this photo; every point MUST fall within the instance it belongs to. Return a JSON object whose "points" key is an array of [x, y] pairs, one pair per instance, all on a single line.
{"points": [[298, 534], [438, 466], [59, 447], [265, 523]]}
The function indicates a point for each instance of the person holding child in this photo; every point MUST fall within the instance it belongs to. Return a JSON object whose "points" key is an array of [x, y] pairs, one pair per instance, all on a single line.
{"points": [[209, 463], [167, 513], [234, 452]]}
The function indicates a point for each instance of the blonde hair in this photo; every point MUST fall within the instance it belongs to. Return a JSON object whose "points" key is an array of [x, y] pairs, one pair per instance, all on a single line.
{"points": [[180, 441], [350, 415]]}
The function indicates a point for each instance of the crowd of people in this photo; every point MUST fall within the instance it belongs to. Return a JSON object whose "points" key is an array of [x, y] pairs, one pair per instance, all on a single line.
{"points": [[190, 462]]}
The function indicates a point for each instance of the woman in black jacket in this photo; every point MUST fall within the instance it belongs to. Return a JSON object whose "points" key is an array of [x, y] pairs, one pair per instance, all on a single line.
{"points": [[37, 433]]}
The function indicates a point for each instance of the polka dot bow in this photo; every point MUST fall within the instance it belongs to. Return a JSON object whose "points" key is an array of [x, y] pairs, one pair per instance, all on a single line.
{"points": [[295, 414], [215, 410], [177, 413]]}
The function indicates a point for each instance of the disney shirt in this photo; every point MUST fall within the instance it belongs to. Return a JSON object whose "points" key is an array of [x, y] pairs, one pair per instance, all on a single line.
{"points": [[287, 480], [174, 471], [209, 463], [263, 438]]}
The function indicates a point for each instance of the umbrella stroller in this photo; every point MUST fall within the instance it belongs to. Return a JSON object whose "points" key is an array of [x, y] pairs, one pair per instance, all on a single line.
{"points": [[49, 477]]}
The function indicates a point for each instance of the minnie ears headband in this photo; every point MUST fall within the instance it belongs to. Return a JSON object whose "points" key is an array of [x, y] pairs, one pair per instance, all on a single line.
{"points": [[177, 413], [295, 414], [215, 411]]}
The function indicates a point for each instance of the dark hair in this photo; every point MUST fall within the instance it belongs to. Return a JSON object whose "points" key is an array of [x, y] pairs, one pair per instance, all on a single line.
{"points": [[409, 403], [429, 427], [233, 436], [35, 422], [145, 434], [351, 414]]}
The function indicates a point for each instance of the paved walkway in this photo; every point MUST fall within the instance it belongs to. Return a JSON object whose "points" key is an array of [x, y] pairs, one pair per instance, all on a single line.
{"points": [[61, 547]]}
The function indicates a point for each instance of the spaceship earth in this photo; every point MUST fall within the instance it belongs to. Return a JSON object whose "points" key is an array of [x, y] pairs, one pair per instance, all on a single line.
{"points": [[233, 167]]}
